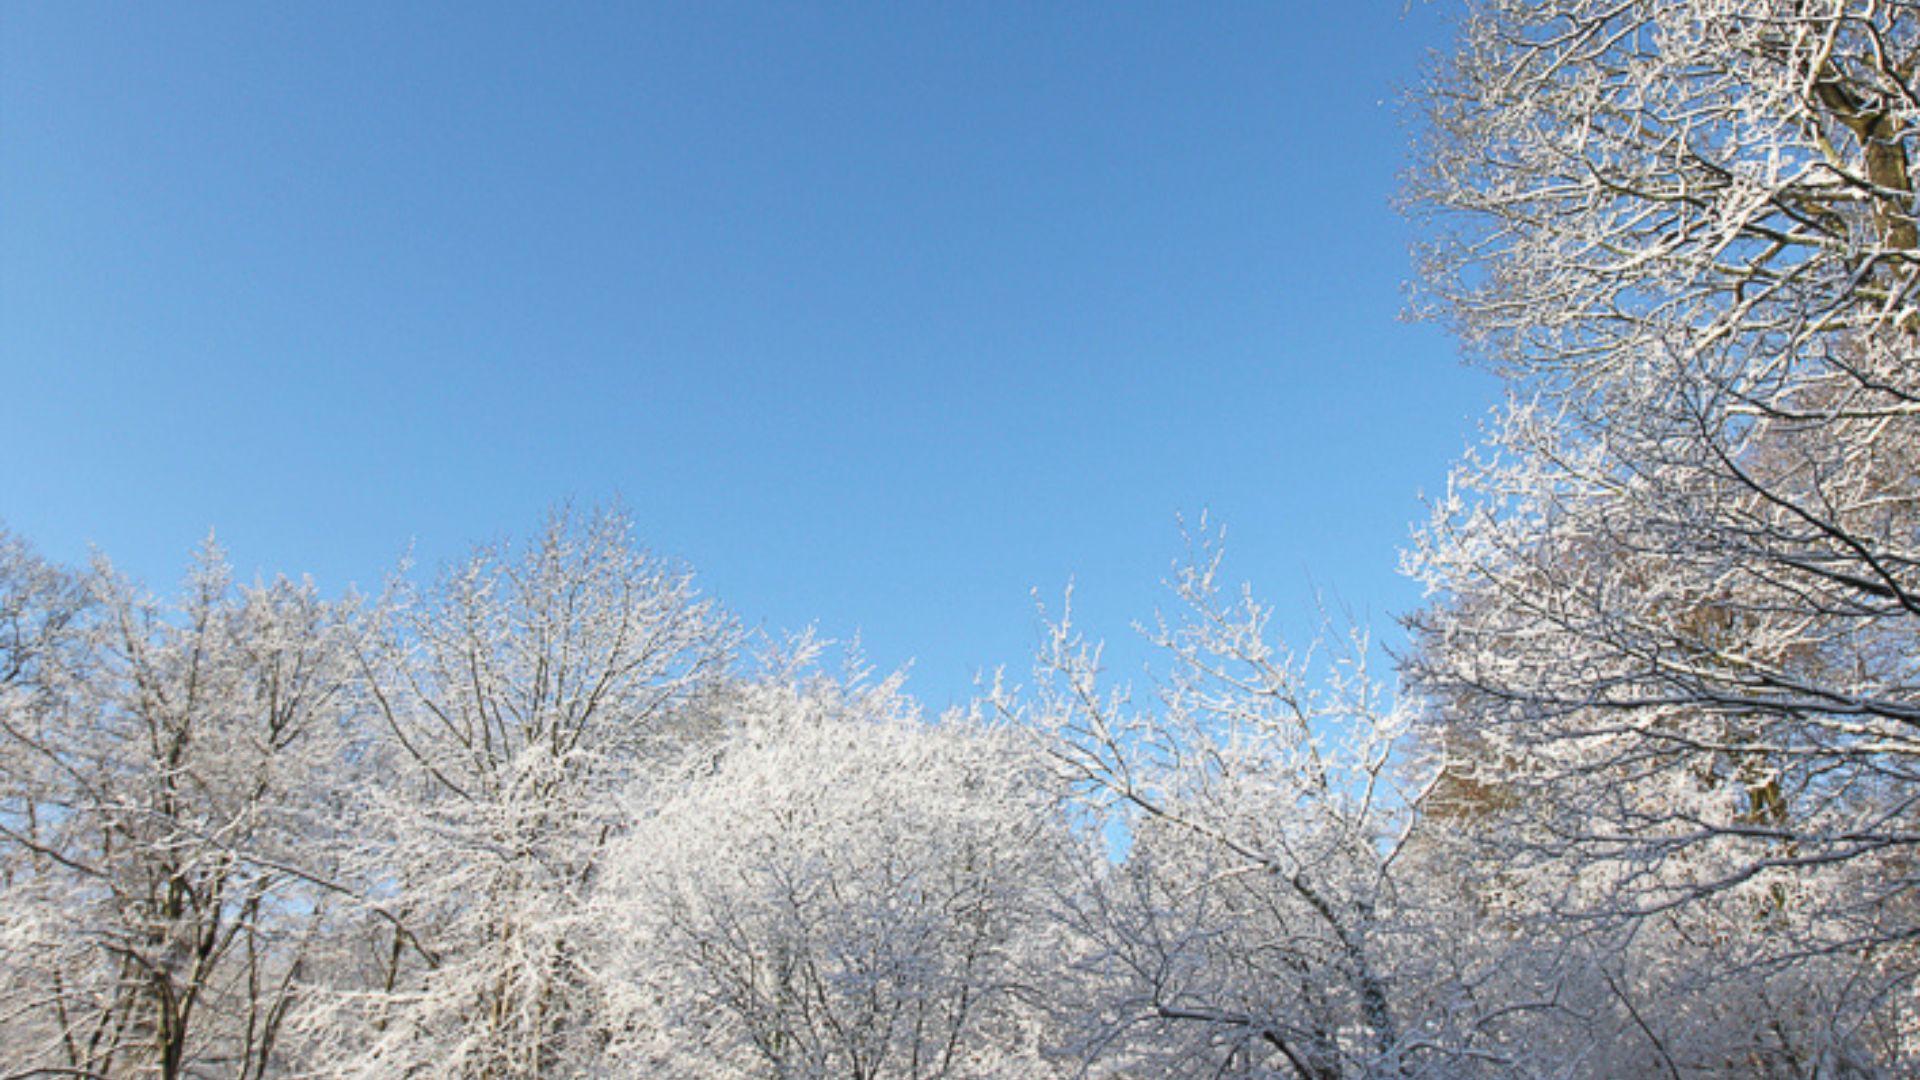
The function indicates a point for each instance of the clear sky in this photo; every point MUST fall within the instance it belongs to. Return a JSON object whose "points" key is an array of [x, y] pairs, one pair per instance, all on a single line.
{"points": [[880, 316]]}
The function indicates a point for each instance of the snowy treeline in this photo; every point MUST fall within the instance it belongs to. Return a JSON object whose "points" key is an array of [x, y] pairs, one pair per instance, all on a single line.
{"points": [[552, 815], [1642, 797]]}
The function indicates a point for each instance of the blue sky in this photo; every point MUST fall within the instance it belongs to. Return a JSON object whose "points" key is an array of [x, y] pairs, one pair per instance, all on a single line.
{"points": [[880, 316]]}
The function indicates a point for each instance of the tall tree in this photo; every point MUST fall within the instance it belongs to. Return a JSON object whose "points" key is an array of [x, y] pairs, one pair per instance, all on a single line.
{"points": [[1675, 595]]}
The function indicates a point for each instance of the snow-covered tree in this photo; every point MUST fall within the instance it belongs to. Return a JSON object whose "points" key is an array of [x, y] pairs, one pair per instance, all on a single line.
{"points": [[839, 888], [1670, 646], [517, 700], [1259, 923], [164, 776]]}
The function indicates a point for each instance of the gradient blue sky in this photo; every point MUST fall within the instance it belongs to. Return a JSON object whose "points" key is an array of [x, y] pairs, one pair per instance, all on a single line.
{"points": [[879, 315]]}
